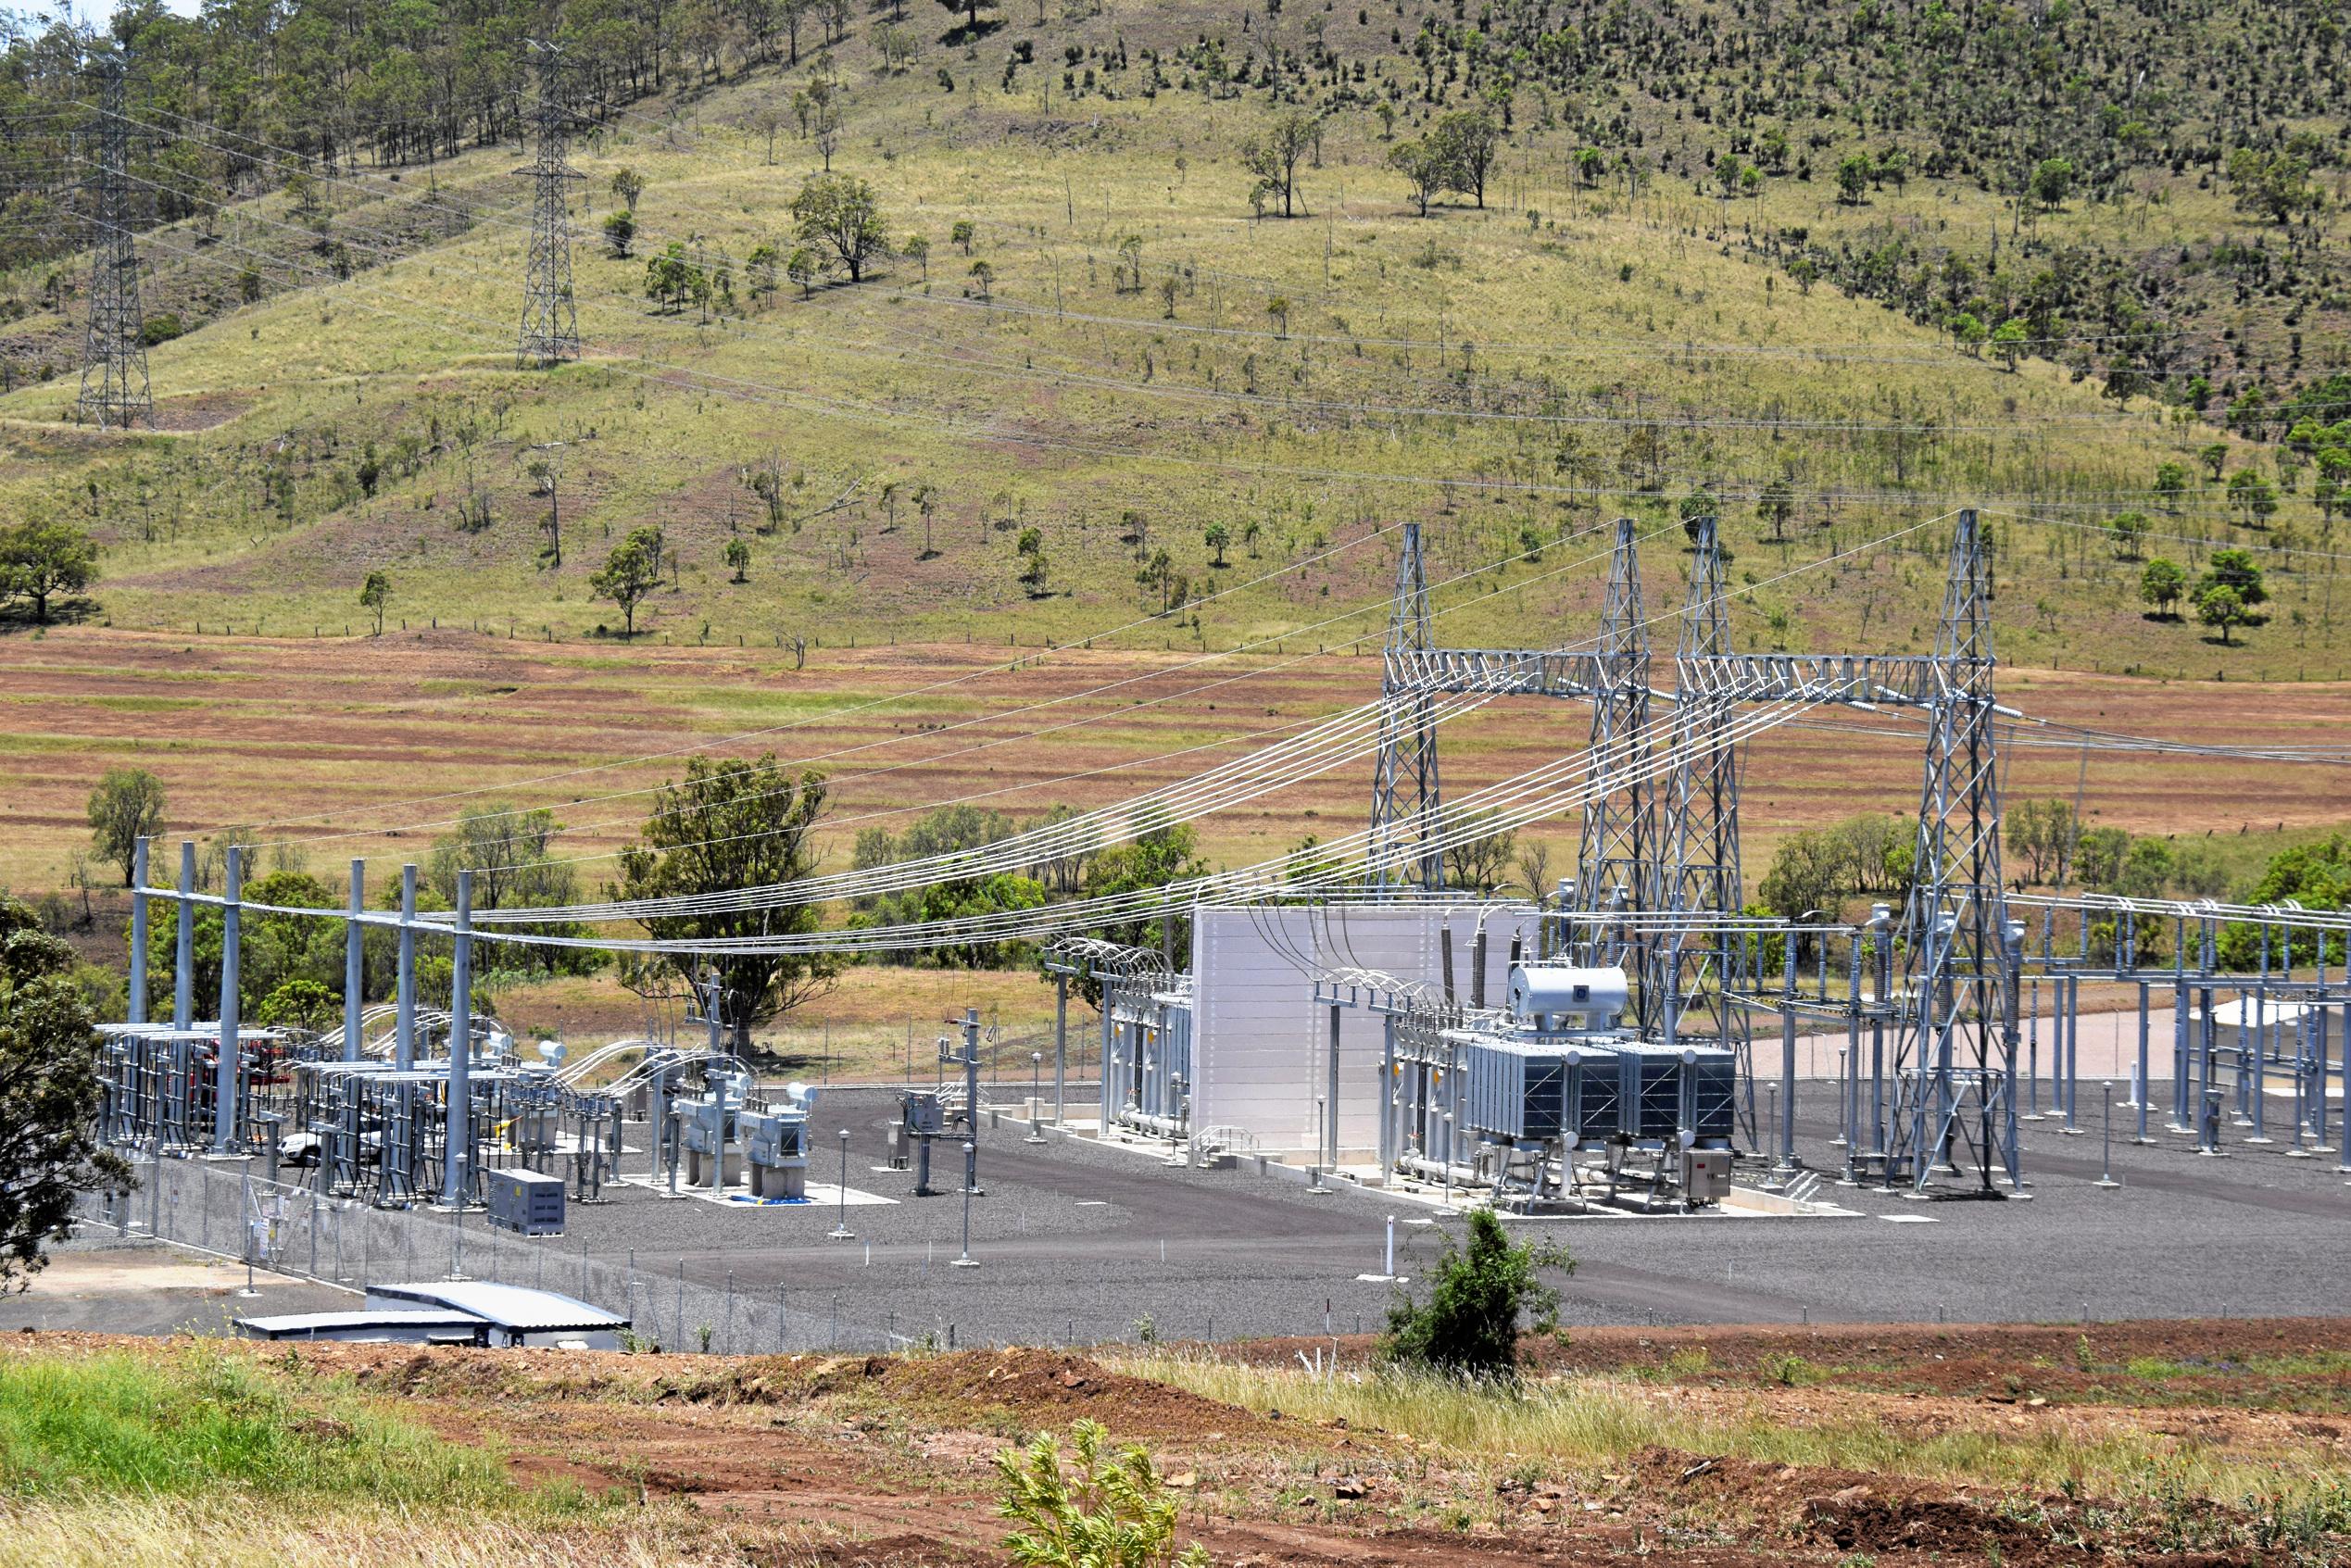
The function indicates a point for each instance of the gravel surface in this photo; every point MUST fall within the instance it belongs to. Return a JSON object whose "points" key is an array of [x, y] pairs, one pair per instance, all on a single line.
{"points": [[1075, 1240]]}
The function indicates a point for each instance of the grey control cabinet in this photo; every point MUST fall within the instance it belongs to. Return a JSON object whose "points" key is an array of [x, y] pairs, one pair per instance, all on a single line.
{"points": [[527, 1202]]}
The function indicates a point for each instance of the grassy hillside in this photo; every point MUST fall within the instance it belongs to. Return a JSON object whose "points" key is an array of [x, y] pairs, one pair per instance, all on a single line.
{"points": [[1144, 359]]}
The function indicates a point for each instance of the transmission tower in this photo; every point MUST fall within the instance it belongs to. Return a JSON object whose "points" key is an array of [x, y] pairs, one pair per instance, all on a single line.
{"points": [[1699, 835], [1956, 1056], [550, 323], [1616, 867], [114, 361], [1404, 789]]}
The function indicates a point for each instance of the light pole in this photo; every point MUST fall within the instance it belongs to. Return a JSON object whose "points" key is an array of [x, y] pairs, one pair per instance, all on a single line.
{"points": [[1036, 1097], [2106, 1174], [966, 1261], [840, 1231]]}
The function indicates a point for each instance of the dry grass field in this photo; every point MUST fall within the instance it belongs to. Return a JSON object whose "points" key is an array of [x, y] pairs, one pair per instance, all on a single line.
{"points": [[371, 748], [2172, 1444]]}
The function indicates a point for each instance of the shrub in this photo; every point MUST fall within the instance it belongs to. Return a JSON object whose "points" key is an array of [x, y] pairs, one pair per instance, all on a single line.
{"points": [[1469, 1327], [1111, 1510]]}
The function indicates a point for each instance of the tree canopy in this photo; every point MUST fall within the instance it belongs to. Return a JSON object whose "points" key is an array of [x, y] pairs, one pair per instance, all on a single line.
{"points": [[49, 1095], [726, 826]]}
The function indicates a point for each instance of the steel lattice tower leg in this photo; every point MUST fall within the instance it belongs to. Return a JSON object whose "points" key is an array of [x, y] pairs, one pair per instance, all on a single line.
{"points": [[1699, 833], [114, 363], [1955, 1055], [1617, 867], [1406, 796], [550, 321]]}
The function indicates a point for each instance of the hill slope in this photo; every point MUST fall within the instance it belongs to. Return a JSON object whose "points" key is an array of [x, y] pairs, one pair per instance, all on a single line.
{"points": [[1141, 360]]}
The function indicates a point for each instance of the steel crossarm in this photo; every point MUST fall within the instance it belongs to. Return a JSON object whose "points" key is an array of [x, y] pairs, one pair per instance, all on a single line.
{"points": [[1859, 679], [1494, 672]]}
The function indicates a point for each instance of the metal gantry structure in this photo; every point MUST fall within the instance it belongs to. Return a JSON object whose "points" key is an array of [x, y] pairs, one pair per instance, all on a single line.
{"points": [[114, 390], [1658, 885], [551, 317]]}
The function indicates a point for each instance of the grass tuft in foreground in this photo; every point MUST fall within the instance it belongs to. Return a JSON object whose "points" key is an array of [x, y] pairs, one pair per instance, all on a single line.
{"points": [[1597, 1421], [196, 1418]]}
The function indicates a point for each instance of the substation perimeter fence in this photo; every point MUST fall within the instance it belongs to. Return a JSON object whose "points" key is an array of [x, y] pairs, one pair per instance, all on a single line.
{"points": [[219, 1208]]}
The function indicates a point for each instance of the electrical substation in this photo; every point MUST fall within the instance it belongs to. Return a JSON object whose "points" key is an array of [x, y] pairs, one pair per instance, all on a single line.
{"points": [[1635, 1046]]}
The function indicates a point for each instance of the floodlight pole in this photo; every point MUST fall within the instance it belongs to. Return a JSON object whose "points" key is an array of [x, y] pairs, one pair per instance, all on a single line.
{"points": [[966, 1261], [840, 1231]]}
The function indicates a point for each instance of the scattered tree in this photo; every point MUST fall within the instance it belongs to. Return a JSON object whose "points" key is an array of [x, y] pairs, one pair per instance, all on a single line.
{"points": [[627, 185], [2008, 341], [630, 573], [2273, 185], [1775, 506], [2235, 570], [2252, 493], [2052, 182], [1853, 179], [842, 213], [802, 268], [2162, 584], [125, 808], [2218, 605], [1030, 548], [375, 596], [40, 560], [2171, 483], [1274, 157], [738, 559], [1469, 141], [620, 235], [970, 12], [725, 826], [1422, 166]]}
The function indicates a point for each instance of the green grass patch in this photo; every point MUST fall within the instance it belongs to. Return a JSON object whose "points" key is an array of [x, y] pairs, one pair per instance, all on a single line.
{"points": [[194, 1419]]}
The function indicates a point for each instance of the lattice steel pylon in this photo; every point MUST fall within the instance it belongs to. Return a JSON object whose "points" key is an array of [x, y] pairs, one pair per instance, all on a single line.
{"points": [[1698, 828], [1955, 1056], [1617, 866], [1405, 794], [115, 391], [550, 320]]}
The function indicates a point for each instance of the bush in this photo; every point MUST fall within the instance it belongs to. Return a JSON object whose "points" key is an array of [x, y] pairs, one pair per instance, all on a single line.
{"points": [[160, 329], [1470, 1325], [1111, 1512]]}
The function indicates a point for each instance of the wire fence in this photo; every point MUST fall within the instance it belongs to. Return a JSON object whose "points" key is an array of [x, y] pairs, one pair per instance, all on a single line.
{"points": [[221, 1209]]}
